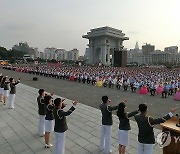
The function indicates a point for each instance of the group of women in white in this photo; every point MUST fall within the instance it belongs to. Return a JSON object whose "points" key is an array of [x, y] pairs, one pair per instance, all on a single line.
{"points": [[8, 89]]}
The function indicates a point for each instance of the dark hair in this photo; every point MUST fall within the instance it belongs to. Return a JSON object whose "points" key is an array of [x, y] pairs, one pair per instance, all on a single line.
{"points": [[4, 79], [121, 111], [142, 107], [57, 101], [104, 99], [46, 99], [40, 91], [1, 77], [11, 79]]}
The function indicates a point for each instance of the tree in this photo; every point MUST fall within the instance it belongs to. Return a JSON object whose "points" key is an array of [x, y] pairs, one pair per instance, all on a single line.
{"points": [[11, 55], [3, 53]]}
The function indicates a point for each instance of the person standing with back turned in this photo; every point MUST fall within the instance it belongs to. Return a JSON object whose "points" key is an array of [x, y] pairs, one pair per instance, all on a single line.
{"points": [[61, 127], [145, 124], [12, 93], [41, 111], [107, 122]]}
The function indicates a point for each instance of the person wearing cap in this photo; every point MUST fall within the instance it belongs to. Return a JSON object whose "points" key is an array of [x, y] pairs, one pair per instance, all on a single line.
{"points": [[145, 124], [12, 93], [41, 112], [107, 122], [124, 126], [61, 127], [49, 107]]}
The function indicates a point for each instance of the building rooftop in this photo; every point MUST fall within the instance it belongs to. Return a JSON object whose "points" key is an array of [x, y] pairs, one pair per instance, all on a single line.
{"points": [[105, 31]]}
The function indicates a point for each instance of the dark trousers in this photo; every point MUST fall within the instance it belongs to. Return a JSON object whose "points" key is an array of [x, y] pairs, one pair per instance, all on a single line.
{"points": [[133, 89], [118, 87], [93, 82], [105, 84], [153, 91], [125, 88], [88, 81], [164, 94], [171, 91]]}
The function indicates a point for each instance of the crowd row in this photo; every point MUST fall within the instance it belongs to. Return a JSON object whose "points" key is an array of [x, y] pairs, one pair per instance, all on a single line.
{"points": [[156, 81]]}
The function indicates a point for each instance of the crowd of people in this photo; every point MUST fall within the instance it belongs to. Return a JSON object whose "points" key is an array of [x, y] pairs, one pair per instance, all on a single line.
{"points": [[50, 109], [153, 81]]}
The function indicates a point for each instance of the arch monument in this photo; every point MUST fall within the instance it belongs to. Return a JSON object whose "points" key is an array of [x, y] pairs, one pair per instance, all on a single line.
{"points": [[103, 43]]}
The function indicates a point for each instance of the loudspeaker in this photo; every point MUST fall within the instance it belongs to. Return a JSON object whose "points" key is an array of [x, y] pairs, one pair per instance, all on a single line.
{"points": [[117, 58], [120, 58], [35, 79]]}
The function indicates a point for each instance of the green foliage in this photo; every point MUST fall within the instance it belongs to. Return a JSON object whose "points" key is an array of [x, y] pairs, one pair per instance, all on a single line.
{"points": [[11, 55]]}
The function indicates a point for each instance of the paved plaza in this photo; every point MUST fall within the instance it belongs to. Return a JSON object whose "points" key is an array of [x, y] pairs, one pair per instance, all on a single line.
{"points": [[18, 128]]}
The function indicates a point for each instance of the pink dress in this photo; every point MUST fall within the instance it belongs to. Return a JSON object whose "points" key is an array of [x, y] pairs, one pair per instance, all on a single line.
{"points": [[72, 78], [177, 96], [159, 90], [143, 90]]}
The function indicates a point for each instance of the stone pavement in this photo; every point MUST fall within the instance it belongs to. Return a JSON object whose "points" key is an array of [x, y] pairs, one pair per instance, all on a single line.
{"points": [[18, 128]]}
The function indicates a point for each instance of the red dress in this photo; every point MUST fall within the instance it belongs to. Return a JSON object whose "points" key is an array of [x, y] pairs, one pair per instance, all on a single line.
{"points": [[143, 90]]}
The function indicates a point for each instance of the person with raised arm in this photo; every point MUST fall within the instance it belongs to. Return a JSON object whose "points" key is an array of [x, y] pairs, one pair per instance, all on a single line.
{"points": [[124, 126], [42, 112], [145, 124], [12, 93], [107, 122], [61, 127], [49, 107]]}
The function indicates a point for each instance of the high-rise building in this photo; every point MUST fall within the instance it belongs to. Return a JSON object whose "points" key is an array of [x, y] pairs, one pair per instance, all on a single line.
{"points": [[136, 49], [61, 54], [147, 49], [171, 49], [23, 46]]}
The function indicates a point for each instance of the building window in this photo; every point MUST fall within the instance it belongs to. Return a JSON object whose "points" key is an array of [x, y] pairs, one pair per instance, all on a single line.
{"points": [[107, 41]]}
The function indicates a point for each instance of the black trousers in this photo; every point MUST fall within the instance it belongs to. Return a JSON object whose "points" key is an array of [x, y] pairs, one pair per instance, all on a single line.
{"points": [[153, 91], [118, 87], [171, 91], [133, 89], [88, 81], [125, 88], [164, 94]]}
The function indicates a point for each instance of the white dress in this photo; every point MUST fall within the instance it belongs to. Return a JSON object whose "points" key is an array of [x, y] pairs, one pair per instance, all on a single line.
{"points": [[123, 137]]}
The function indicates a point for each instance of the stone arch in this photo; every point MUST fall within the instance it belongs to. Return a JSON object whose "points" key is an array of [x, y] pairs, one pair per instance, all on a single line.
{"points": [[97, 55]]}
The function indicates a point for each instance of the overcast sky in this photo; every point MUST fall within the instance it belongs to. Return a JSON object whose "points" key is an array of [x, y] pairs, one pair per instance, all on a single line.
{"points": [[61, 23]]}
